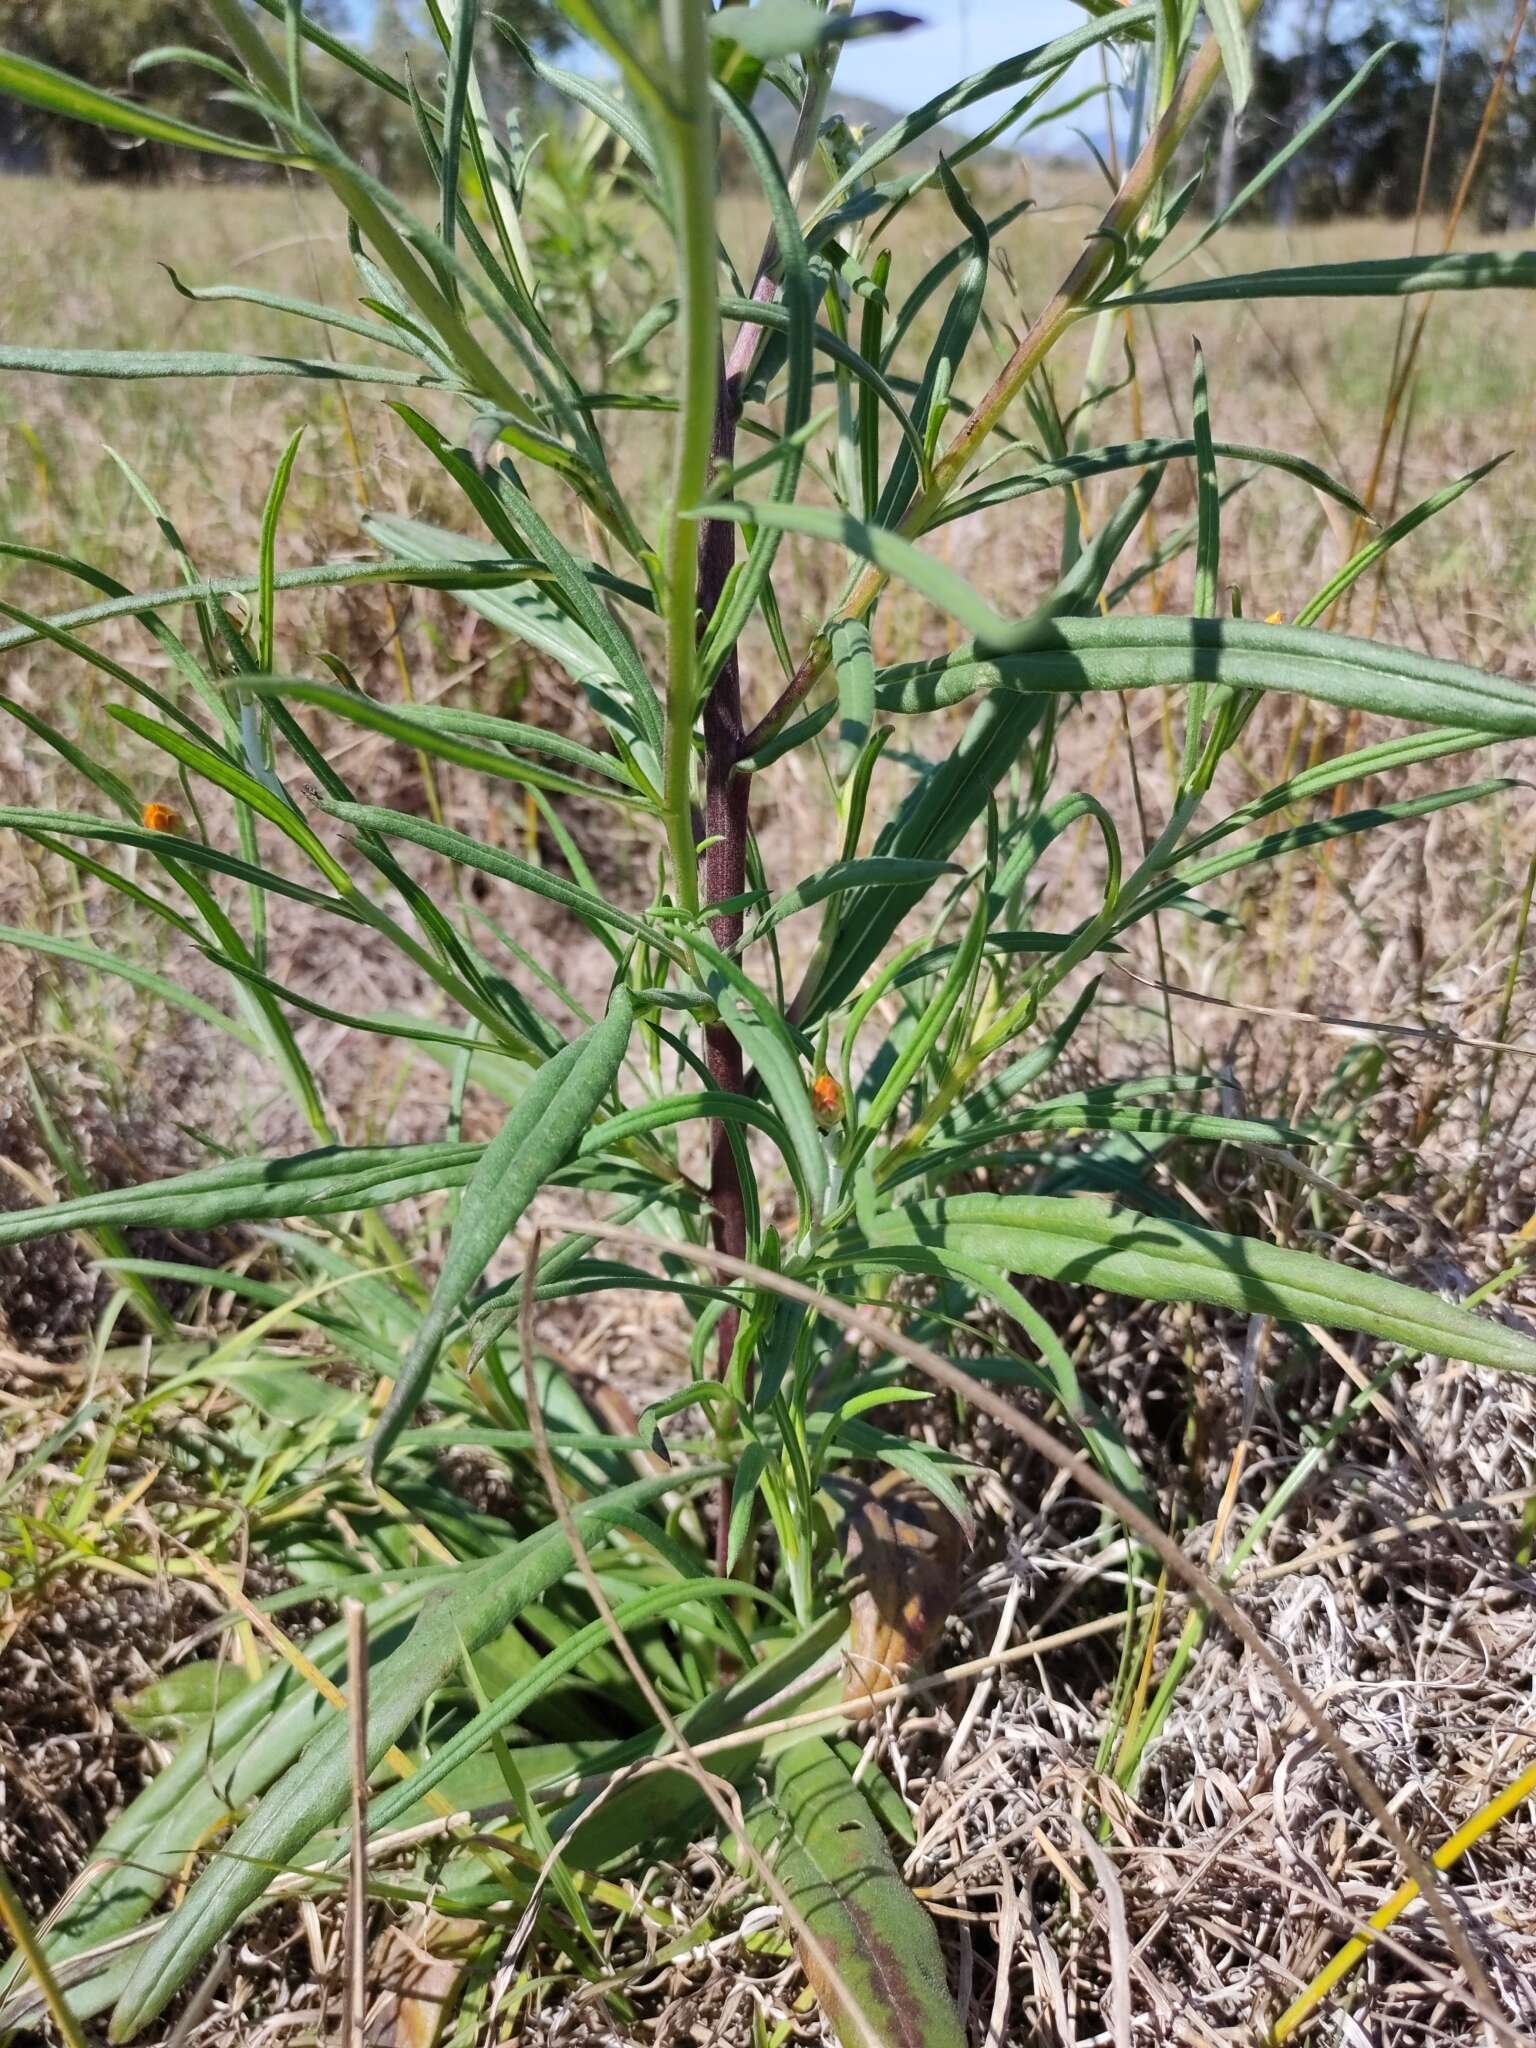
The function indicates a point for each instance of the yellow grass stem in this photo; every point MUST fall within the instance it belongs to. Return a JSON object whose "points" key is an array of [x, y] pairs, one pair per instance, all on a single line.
{"points": [[1449, 1853], [24, 1939]]}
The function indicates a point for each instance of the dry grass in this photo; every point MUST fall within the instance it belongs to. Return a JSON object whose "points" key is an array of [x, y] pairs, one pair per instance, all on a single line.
{"points": [[1398, 1581]]}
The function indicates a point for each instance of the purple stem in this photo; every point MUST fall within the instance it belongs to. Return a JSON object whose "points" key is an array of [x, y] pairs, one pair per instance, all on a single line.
{"points": [[727, 802], [727, 798]]}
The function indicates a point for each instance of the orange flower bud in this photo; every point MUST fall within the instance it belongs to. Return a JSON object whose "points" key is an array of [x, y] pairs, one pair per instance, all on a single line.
{"points": [[160, 818], [826, 1100]]}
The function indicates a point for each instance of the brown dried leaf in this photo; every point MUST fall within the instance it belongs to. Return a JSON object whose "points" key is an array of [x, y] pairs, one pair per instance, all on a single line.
{"points": [[419, 1969], [906, 1551]]}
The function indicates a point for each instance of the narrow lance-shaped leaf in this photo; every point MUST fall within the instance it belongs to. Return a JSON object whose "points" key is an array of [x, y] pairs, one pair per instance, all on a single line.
{"points": [[453, 735], [537, 1138], [300, 309], [438, 573], [1040, 62], [930, 406], [827, 1849], [57, 92], [533, 616], [1088, 1243], [952, 795], [874, 871], [944, 586], [138, 363], [758, 1027], [1231, 30], [1137, 654], [328, 1181], [1392, 277], [1084, 464], [1275, 164], [255, 1735]]}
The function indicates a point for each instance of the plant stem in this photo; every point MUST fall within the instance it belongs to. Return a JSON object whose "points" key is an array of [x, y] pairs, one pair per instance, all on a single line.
{"points": [[724, 875], [693, 199]]}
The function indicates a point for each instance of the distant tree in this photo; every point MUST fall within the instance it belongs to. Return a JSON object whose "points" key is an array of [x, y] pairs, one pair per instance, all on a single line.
{"points": [[1370, 157], [99, 43], [98, 40]]}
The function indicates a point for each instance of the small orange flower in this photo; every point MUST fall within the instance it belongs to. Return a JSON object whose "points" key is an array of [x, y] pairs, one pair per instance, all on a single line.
{"points": [[160, 818], [1275, 619], [826, 1100]]}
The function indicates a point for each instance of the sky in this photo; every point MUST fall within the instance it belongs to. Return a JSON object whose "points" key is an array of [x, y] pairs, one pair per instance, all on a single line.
{"points": [[961, 36]]}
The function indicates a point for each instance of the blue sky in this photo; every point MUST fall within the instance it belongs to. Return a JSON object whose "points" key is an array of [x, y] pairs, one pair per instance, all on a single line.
{"points": [[960, 36]]}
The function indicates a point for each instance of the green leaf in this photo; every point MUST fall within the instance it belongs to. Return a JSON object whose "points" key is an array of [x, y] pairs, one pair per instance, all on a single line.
{"points": [[56, 92], [168, 847], [257, 1732], [461, 54], [952, 794], [451, 734], [206, 761], [688, 1108], [319, 1183], [438, 573], [271, 513], [936, 274], [913, 1055], [510, 514], [874, 871], [744, 1484], [1471, 270], [797, 291], [543, 1131], [300, 309], [533, 616], [1136, 654], [1390, 536], [138, 363], [1273, 165], [944, 586], [854, 665], [1384, 757], [1319, 832], [316, 1789], [777, 319], [458, 846], [1041, 62], [786, 28], [933, 579], [1231, 30], [1087, 1243], [612, 111], [98, 962], [759, 1028], [824, 1845], [391, 1808], [1081, 466], [930, 405]]}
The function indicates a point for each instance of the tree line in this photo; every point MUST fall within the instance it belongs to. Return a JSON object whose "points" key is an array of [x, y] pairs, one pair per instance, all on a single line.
{"points": [[100, 43], [1435, 71], [1434, 78]]}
